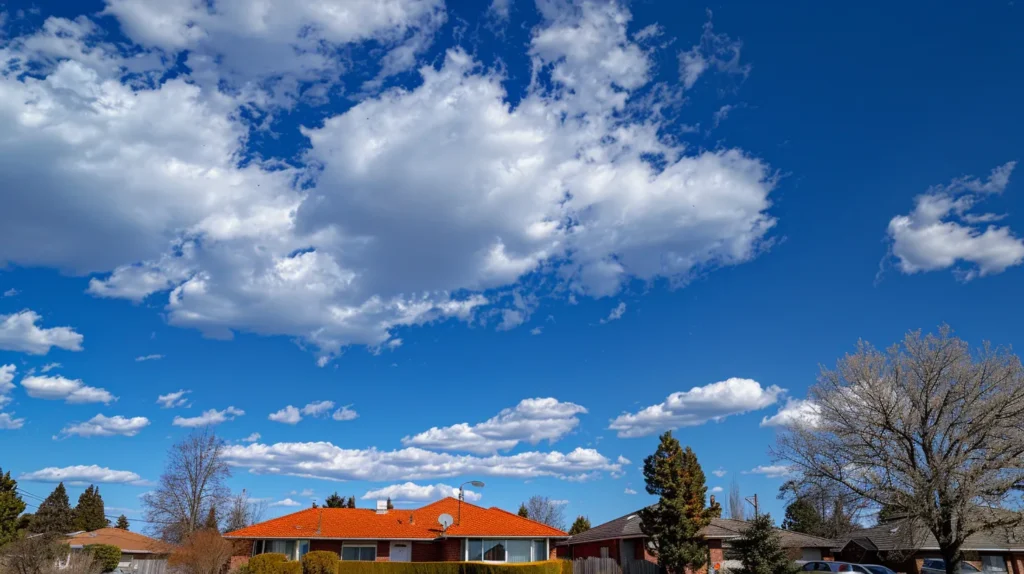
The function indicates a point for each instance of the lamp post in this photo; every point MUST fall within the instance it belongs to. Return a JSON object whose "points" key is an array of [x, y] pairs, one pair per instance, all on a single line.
{"points": [[462, 493]]}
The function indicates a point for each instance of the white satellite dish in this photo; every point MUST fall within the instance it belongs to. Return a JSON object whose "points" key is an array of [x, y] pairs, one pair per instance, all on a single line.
{"points": [[445, 520]]}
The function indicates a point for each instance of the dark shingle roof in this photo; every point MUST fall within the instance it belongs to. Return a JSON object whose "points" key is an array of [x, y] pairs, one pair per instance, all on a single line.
{"points": [[628, 526], [886, 537]]}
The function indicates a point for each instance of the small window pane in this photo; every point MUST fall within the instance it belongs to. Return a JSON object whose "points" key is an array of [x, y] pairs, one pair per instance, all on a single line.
{"points": [[303, 548], [519, 550], [993, 564], [604, 552], [539, 550], [476, 550], [364, 553], [494, 550]]}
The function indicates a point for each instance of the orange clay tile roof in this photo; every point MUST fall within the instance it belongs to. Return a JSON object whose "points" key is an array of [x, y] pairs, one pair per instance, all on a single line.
{"points": [[398, 524], [127, 541]]}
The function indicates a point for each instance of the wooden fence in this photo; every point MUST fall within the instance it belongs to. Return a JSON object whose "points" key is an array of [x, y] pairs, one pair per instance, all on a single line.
{"points": [[612, 566]]}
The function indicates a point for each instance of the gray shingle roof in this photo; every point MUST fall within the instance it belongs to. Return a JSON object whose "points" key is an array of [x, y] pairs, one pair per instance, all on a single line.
{"points": [[888, 537], [628, 526]]}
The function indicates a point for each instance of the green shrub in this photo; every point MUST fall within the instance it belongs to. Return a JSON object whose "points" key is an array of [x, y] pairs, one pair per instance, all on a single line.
{"points": [[106, 556], [546, 567], [290, 568], [320, 562], [267, 563]]}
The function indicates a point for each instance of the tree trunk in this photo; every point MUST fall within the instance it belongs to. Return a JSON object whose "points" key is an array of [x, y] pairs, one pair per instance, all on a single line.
{"points": [[951, 556]]}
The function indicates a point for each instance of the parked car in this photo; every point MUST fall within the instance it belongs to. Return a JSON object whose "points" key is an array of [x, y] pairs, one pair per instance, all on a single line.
{"points": [[829, 566], [877, 569], [938, 566]]}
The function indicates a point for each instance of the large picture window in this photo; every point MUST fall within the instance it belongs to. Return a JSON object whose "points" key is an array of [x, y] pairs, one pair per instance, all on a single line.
{"points": [[293, 549], [365, 553], [499, 550]]}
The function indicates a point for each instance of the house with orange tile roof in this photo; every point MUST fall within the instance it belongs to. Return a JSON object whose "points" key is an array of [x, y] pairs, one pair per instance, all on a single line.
{"points": [[138, 553], [446, 530]]}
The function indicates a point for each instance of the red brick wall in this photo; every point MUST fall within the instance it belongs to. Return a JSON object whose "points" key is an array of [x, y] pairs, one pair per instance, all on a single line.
{"points": [[593, 549], [450, 550], [326, 546], [383, 551], [552, 550], [426, 552]]}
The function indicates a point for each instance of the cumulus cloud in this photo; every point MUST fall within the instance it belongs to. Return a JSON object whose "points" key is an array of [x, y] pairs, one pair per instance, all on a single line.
{"points": [[7, 379], [942, 233], [286, 502], [616, 313], [317, 408], [795, 413], [144, 358], [716, 490], [532, 421], [327, 461], [697, 406], [720, 472], [417, 204], [629, 491], [82, 474], [771, 470], [345, 413], [293, 415], [8, 422], [713, 51], [72, 391], [19, 332], [412, 492], [174, 400], [288, 415], [210, 417], [12, 291], [252, 437], [101, 425]]}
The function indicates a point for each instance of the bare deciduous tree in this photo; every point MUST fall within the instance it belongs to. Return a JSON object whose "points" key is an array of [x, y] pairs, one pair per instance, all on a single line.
{"points": [[202, 552], [244, 512], [927, 429], [192, 484], [543, 509], [736, 503]]}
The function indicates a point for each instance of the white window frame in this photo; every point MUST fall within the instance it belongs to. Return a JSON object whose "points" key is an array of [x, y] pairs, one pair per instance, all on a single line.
{"points": [[345, 545], [261, 543], [504, 541]]}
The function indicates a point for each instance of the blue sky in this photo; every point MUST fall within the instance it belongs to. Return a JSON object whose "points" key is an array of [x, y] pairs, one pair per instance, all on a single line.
{"points": [[508, 242]]}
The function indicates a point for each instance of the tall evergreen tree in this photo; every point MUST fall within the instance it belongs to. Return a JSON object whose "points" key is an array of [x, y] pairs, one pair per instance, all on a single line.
{"points": [[334, 501], [211, 522], [122, 522], [351, 502], [54, 515], [90, 513], [760, 550], [11, 505], [581, 524], [523, 511], [672, 525], [391, 505], [802, 516]]}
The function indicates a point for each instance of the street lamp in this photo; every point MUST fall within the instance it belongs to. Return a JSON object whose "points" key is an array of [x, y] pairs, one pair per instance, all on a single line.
{"points": [[462, 493]]}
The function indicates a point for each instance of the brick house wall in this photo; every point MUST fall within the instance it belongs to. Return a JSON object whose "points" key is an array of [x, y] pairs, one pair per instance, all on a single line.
{"points": [[425, 552], [325, 546], [450, 550]]}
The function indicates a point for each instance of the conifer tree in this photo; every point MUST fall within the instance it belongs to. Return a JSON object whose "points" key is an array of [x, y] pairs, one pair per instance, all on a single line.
{"points": [[523, 511], [391, 506], [672, 525], [90, 513], [11, 506], [54, 515], [581, 524], [760, 550], [122, 522], [334, 501], [211, 522], [351, 502]]}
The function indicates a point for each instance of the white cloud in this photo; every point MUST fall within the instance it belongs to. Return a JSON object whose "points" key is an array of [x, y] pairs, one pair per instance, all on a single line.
{"points": [[10, 292], [345, 414], [536, 330], [327, 461], [412, 492], [713, 50], [82, 474], [286, 502], [697, 406], [174, 400], [101, 425], [19, 332], [771, 470], [415, 195], [8, 422], [720, 472], [148, 358], [49, 367], [7, 378], [717, 489], [252, 438], [616, 313], [630, 491], [288, 415], [532, 420], [317, 408], [940, 233], [72, 391], [795, 413], [210, 417]]}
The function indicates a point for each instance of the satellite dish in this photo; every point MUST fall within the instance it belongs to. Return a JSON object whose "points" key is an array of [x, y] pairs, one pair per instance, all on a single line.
{"points": [[446, 520]]}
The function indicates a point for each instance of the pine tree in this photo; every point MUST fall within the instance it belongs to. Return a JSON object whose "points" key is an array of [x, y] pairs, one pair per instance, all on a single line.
{"points": [[760, 550], [334, 501], [802, 516], [523, 511], [351, 502], [122, 522], [54, 515], [211, 520], [90, 513], [391, 505], [673, 524], [581, 524], [11, 505]]}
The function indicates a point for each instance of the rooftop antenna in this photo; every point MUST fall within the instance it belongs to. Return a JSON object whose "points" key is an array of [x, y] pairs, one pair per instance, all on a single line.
{"points": [[445, 520]]}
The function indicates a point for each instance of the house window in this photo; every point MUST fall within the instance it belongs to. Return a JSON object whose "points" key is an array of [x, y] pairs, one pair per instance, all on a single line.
{"points": [[519, 550], [293, 549], [494, 550], [476, 550], [540, 550], [362, 552], [604, 552], [497, 550], [993, 564]]}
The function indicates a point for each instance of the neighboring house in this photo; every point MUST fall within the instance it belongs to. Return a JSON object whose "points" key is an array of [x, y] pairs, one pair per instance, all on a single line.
{"points": [[622, 540], [416, 535], [1000, 551], [139, 554]]}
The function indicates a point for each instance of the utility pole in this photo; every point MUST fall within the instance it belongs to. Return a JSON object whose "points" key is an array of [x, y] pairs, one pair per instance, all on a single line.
{"points": [[753, 500]]}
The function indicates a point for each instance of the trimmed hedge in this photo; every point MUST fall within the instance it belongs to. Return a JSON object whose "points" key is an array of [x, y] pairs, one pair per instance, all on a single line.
{"points": [[354, 567], [320, 562], [291, 568], [270, 563], [106, 556]]}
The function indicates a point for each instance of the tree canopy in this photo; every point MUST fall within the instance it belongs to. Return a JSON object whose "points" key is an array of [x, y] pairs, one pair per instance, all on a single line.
{"points": [[54, 515], [581, 524], [122, 522], [760, 550], [334, 501], [11, 506], [90, 513], [546, 511]]}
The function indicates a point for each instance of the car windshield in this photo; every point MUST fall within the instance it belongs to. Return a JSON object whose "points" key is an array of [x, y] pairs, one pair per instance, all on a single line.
{"points": [[875, 569], [968, 567]]}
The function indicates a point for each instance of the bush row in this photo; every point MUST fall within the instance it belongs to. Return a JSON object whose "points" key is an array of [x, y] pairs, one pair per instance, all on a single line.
{"points": [[319, 562]]}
